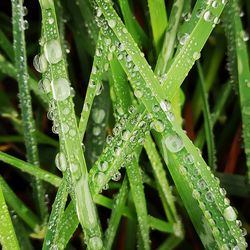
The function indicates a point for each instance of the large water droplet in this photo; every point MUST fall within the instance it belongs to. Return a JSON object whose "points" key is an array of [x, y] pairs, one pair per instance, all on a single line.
{"points": [[229, 214], [98, 115], [174, 143], [95, 243], [61, 162], [60, 89], [44, 85], [111, 23], [53, 51], [40, 63]]}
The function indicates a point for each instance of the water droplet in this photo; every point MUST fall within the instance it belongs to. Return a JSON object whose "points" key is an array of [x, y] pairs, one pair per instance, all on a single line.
{"points": [[117, 176], [165, 105], [98, 12], [44, 85], [170, 116], [95, 243], [103, 166], [51, 20], [229, 214], [138, 93], [111, 23], [196, 194], [53, 51], [96, 131], [207, 16], [245, 36], [61, 162], [98, 115], [209, 196], [158, 126], [40, 63], [174, 143], [188, 159], [214, 4], [25, 11], [196, 55], [25, 25], [201, 184], [183, 38], [125, 135], [60, 89]]}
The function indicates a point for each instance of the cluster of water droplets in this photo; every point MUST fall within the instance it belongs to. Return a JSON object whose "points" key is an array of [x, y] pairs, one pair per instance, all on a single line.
{"points": [[124, 133]]}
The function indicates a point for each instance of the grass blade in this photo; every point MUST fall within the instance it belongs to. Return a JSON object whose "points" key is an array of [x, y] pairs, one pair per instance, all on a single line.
{"points": [[69, 134], [25, 101], [7, 234]]}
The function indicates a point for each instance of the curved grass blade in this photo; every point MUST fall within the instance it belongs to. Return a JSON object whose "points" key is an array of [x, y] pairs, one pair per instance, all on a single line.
{"points": [[25, 102], [8, 238]]}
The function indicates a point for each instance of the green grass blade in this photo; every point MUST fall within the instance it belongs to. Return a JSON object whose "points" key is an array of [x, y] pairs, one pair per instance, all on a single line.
{"points": [[19, 207], [159, 21], [30, 169], [218, 109], [239, 67], [116, 214], [136, 185], [172, 130], [132, 25], [52, 234], [6, 45], [70, 137], [207, 121], [25, 101], [8, 238], [95, 83], [167, 49]]}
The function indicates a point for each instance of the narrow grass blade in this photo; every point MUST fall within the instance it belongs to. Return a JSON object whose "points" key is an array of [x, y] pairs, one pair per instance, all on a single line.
{"points": [[239, 67], [167, 49], [132, 25], [218, 109], [116, 214], [6, 45], [8, 238], [25, 101], [159, 21], [207, 121], [30, 169], [52, 235], [19, 207]]}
